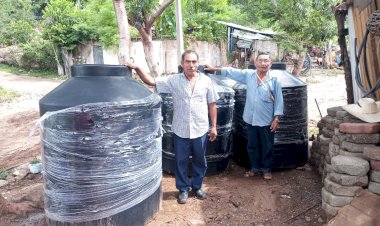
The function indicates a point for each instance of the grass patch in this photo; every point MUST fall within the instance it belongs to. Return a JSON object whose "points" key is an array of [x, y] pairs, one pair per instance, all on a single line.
{"points": [[4, 173], [31, 72], [7, 95]]}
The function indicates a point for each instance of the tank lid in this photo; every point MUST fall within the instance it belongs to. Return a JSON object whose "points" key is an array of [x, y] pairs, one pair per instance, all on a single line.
{"points": [[86, 88], [81, 70]]}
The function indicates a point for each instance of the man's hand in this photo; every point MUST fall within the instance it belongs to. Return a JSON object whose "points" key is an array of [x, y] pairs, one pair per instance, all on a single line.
{"points": [[131, 65], [210, 68], [213, 134], [274, 125]]}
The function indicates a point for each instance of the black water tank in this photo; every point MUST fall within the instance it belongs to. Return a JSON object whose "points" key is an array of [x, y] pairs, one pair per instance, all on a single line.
{"points": [[102, 151], [291, 138], [219, 151]]}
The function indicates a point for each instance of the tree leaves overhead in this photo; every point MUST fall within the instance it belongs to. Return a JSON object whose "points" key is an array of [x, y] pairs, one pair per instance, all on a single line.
{"points": [[16, 21], [303, 21], [199, 20]]}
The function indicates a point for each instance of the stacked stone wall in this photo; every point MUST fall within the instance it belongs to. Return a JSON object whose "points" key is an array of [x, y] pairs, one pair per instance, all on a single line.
{"points": [[346, 153]]}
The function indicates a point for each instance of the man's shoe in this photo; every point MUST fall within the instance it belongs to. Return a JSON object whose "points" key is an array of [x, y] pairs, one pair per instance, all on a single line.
{"points": [[200, 194], [182, 197], [249, 173], [268, 176]]}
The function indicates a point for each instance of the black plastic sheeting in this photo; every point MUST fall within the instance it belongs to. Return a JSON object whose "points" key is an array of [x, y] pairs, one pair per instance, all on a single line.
{"points": [[219, 151], [102, 159], [291, 138]]}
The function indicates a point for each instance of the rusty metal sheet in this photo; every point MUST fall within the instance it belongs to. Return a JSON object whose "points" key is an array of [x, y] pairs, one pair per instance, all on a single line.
{"points": [[362, 4]]}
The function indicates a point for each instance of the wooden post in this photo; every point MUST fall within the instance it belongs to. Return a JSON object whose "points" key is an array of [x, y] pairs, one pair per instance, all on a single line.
{"points": [[340, 13]]}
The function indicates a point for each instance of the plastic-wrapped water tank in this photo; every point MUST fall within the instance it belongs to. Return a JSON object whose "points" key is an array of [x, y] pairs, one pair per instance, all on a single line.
{"points": [[219, 151], [291, 138], [102, 155]]}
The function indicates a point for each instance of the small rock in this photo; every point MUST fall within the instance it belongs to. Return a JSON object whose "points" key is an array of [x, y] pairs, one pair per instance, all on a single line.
{"points": [[197, 222], [285, 196], [320, 220], [307, 218], [3, 183]]}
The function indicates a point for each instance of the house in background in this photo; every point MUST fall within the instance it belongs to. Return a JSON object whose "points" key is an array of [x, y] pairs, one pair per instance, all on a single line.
{"points": [[244, 43]]}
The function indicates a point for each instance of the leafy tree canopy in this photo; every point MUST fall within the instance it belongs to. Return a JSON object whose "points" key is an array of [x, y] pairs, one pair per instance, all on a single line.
{"points": [[16, 21], [199, 20], [304, 22]]}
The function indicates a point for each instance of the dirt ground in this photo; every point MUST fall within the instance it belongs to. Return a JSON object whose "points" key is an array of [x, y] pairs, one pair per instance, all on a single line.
{"points": [[291, 198]]}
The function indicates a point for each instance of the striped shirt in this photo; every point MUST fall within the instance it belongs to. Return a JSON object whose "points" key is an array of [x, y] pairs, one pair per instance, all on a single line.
{"points": [[259, 108], [190, 109]]}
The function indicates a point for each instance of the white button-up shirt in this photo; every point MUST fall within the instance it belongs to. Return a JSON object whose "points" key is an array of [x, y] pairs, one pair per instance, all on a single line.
{"points": [[190, 108]]}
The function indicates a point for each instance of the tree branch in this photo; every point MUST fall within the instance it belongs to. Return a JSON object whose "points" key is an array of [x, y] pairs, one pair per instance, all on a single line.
{"points": [[158, 12]]}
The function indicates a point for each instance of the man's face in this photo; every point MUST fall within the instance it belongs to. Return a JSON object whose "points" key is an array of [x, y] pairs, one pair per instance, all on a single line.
{"points": [[190, 63], [263, 63]]}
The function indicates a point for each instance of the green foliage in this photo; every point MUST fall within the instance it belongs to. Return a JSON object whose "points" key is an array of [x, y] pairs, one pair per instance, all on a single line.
{"points": [[16, 21], [19, 31], [35, 160], [28, 72], [100, 17], [199, 20], [4, 172], [7, 95], [165, 26], [66, 25], [304, 22], [38, 54], [137, 8]]}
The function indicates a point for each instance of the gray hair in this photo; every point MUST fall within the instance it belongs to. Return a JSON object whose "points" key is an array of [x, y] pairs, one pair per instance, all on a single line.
{"points": [[187, 52]]}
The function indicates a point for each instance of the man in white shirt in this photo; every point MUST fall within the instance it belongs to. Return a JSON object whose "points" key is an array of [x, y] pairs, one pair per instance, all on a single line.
{"points": [[194, 98]]}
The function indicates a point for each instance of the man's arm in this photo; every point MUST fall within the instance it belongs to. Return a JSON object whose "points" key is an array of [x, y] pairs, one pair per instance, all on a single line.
{"points": [[213, 114], [238, 75], [145, 77], [278, 106], [210, 68]]}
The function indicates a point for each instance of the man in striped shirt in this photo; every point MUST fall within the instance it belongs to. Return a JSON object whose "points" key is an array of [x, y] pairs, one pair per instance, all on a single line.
{"points": [[194, 98]]}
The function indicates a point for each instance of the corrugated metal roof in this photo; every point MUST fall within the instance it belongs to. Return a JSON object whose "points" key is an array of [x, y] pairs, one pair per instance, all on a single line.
{"points": [[269, 33]]}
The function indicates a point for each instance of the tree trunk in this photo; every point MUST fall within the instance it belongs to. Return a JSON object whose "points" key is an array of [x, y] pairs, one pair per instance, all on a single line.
{"points": [[298, 64], [60, 69], [124, 34], [145, 30], [147, 42], [340, 16], [67, 61]]}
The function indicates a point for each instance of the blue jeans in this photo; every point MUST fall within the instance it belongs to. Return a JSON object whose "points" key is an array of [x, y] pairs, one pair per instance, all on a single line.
{"points": [[260, 148], [184, 148]]}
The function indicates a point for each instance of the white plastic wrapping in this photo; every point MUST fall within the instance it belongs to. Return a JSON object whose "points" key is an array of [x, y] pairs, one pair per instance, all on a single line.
{"points": [[101, 159]]}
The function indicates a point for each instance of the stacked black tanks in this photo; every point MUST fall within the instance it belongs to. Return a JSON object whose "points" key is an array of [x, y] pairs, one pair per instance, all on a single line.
{"points": [[102, 156], [291, 138], [219, 151]]}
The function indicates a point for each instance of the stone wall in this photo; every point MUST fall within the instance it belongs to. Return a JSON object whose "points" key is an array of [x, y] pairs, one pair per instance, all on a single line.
{"points": [[347, 155]]}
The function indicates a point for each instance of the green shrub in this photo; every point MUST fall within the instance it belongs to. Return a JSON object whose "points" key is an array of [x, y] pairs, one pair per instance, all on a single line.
{"points": [[4, 173], [38, 55], [35, 161]]}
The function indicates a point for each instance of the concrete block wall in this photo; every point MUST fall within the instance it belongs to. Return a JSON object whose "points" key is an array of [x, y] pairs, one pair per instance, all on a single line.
{"points": [[346, 154]]}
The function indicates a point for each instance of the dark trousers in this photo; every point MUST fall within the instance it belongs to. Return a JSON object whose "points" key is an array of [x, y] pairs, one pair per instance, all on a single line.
{"points": [[184, 148], [260, 148]]}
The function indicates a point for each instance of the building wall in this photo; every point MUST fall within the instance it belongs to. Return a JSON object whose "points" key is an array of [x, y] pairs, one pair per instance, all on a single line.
{"points": [[265, 46], [165, 52]]}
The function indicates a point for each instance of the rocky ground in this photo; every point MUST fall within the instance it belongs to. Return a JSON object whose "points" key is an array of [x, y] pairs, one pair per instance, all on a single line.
{"points": [[291, 198]]}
